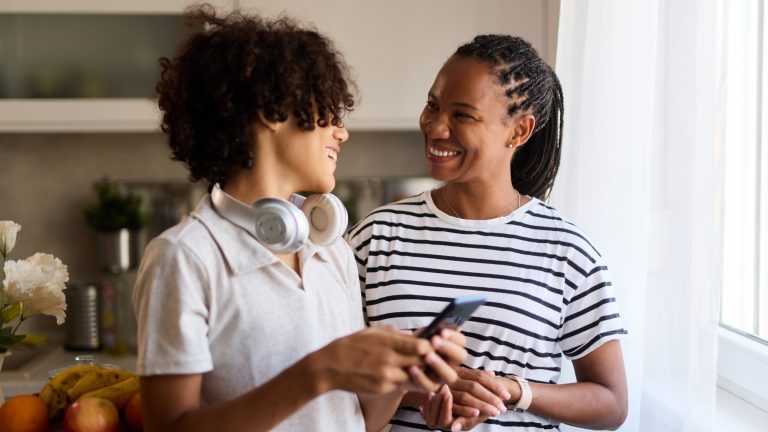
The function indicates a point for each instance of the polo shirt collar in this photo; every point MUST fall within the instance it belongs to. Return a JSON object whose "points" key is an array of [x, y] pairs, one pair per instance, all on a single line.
{"points": [[241, 250]]}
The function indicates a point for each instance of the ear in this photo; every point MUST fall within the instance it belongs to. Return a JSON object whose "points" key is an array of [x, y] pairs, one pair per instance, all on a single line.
{"points": [[520, 130], [271, 125]]}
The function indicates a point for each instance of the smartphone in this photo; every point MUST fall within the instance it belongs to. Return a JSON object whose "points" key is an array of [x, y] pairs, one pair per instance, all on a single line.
{"points": [[455, 314]]}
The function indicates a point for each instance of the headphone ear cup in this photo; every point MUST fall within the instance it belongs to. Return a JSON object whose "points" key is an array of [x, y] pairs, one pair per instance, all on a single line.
{"points": [[327, 218], [279, 225]]}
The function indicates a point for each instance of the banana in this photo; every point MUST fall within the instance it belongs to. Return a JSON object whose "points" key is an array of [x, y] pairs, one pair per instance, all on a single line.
{"points": [[68, 377], [78, 381], [55, 400], [118, 394], [96, 380], [54, 392]]}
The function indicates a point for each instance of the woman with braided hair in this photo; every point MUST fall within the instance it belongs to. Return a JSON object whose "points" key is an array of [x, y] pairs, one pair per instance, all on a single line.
{"points": [[492, 129]]}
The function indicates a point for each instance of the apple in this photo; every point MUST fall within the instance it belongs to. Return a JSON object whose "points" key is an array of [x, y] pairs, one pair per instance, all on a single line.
{"points": [[132, 414], [91, 415]]}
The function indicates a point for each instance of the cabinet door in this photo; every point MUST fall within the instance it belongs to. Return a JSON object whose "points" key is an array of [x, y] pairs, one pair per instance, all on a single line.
{"points": [[104, 6], [396, 47], [85, 65]]}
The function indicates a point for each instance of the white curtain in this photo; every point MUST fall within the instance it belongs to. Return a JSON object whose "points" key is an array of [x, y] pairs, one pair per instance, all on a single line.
{"points": [[642, 173]]}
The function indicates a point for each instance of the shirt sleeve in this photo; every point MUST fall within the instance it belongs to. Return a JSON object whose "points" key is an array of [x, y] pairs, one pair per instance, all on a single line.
{"points": [[591, 317], [358, 239], [169, 299], [353, 285]]}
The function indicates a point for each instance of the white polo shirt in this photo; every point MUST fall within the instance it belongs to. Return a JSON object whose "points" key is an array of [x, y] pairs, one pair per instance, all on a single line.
{"points": [[211, 300]]}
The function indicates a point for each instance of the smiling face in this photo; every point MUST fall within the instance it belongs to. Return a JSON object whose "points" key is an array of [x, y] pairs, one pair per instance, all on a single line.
{"points": [[308, 158], [465, 125]]}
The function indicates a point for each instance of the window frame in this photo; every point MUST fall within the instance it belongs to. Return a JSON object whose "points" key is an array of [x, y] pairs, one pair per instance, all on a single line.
{"points": [[742, 366], [743, 357]]}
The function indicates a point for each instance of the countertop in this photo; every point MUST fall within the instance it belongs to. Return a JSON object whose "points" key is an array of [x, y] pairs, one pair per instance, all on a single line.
{"points": [[32, 375]]}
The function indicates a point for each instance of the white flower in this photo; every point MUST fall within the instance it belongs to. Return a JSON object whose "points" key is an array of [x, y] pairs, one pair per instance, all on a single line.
{"points": [[8, 232], [38, 282]]}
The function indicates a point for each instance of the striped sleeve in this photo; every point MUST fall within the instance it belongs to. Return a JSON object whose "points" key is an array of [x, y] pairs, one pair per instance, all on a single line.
{"points": [[354, 238], [353, 284], [591, 316]]}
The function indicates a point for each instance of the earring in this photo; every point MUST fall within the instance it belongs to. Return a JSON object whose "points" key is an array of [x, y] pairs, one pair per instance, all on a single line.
{"points": [[509, 145]]}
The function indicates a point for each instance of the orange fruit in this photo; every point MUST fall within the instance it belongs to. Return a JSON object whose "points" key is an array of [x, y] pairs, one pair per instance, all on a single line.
{"points": [[26, 413], [132, 413]]}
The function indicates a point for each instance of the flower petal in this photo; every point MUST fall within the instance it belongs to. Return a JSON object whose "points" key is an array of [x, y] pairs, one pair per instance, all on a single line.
{"points": [[8, 232], [38, 282]]}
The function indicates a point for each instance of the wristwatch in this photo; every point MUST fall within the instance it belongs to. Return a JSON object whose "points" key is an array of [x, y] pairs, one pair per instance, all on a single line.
{"points": [[526, 395]]}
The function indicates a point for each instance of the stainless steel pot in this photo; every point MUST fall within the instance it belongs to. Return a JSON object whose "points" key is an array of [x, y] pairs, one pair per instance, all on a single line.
{"points": [[118, 250]]}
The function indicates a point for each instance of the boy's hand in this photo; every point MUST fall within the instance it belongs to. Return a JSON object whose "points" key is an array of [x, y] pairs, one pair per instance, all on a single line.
{"points": [[373, 360]]}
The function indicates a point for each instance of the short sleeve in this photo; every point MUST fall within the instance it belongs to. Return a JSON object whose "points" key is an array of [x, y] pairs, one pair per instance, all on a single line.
{"points": [[353, 285], [359, 238], [591, 316], [169, 299]]}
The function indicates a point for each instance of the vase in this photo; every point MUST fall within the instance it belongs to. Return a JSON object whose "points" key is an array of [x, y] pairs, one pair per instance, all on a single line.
{"points": [[2, 357]]}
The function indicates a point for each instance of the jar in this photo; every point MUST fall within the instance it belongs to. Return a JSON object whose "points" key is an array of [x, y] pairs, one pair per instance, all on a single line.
{"points": [[83, 316]]}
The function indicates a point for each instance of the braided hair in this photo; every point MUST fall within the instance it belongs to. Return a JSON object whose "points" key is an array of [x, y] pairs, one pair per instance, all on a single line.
{"points": [[531, 86]]}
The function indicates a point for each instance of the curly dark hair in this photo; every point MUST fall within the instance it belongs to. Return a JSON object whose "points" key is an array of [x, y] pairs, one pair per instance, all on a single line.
{"points": [[532, 86], [233, 67]]}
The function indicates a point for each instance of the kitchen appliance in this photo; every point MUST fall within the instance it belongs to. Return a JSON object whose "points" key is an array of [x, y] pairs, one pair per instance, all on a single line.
{"points": [[83, 316]]}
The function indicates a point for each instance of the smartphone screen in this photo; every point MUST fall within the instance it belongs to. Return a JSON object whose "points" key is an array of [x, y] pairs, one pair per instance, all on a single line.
{"points": [[455, 314]]}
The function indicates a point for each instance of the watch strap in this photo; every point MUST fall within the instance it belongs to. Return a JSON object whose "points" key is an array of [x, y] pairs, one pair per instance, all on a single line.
{"points": [[526, 395]]}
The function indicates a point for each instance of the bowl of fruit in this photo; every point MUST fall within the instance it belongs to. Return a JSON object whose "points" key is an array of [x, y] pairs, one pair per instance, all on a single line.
{"points": [[78, 398]]}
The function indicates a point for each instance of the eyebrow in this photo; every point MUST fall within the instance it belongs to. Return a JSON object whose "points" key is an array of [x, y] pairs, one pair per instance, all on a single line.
{"points": [[466, 105], [458, 104]]}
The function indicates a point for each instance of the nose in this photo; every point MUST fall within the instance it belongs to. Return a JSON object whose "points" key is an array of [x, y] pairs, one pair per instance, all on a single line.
{"points": [[340, 134], [434, 126]]}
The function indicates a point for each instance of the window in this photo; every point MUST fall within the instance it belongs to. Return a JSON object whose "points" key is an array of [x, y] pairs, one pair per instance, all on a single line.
{"points": [[744, 307], [745, 273]]}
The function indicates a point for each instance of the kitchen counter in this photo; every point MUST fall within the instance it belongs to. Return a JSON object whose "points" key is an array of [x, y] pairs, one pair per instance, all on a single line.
{"points": [[32, 375]]}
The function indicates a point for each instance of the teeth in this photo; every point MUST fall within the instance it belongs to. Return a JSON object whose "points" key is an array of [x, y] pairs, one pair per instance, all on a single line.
{"points": [[332, 154], [442, 153]]}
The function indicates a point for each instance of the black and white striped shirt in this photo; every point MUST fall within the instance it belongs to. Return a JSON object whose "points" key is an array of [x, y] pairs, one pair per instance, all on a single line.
{"points": [[547, 288]]}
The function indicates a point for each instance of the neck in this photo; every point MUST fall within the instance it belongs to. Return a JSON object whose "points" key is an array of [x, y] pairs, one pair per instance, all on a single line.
{"points": [[266, 178], [247, 187], [469, 201]]}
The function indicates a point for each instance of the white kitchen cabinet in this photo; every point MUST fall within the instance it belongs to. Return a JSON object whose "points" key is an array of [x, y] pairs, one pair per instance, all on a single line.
{"points": [[103, 6], [84, 65], [396, 47]]}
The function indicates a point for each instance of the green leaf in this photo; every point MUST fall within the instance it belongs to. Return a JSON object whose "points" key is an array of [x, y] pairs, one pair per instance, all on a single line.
{"points": [[114, 209], [8, 339], [10, 313]]}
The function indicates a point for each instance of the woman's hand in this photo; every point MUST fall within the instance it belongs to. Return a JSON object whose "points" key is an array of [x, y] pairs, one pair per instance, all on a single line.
{"points": [[479, 392], [473, 398], [439, 412], [442, 364]]}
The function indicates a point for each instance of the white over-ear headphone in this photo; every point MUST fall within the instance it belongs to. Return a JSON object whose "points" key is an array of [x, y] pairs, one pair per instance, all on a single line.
{"points": [[283, 226]]}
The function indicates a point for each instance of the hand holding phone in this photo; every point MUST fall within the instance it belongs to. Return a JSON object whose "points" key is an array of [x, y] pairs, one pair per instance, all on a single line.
{"points": [[455, 314]]}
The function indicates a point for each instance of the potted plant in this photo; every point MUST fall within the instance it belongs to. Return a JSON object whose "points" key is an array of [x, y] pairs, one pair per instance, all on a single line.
{"points": [[116, 217]]}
